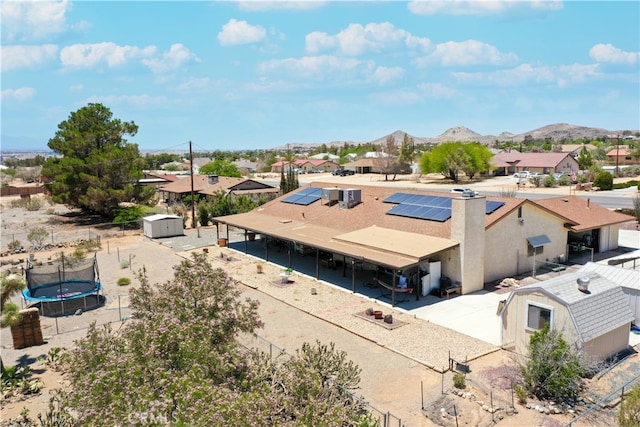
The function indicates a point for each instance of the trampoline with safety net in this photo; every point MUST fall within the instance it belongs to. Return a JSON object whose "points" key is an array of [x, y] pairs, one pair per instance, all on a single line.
{"points": [[63, 286]]}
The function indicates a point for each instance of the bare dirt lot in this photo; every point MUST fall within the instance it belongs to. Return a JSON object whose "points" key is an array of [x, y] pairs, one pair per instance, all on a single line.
{"points": [[389, 387]]}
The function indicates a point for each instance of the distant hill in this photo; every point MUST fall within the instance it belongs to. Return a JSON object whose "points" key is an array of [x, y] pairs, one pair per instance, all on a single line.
{"points": [[557, 132]]}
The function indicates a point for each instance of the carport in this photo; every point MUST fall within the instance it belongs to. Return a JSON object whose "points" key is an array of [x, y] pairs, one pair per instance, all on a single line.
{"points": [[391, 250]]}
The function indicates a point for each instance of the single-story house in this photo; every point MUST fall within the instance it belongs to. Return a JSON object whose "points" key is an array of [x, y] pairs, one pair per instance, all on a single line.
{"points": [[211, 184], [305, 165], [575, 149], [327, 156], [589, 309], [477, 240], [157, 180], [246, 167], [622, 155], [508, 163]]}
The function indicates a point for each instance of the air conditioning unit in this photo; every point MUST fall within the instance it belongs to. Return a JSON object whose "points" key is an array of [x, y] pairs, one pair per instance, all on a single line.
{"points": [[331, 194], [349, 197]]}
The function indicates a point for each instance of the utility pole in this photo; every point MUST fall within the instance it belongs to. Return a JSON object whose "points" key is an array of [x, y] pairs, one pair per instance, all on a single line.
{"points": [[193, 201]]}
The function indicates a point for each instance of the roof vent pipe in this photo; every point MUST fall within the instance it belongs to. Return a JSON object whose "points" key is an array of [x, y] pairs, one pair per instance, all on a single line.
{"points": [[583, 284]]}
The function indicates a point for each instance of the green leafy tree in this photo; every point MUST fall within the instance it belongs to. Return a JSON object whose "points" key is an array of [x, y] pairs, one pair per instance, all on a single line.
{"points": [[129, 216], [554, 370], [629, 415], [584, 159], [220, 168], [452, 158], [203, 214], [388, 163], [96, 168], [36, 237]]}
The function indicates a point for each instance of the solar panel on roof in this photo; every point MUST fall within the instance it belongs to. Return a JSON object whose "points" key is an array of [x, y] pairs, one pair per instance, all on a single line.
{"points": [[304, 197], [421, 212], [492, 206]]}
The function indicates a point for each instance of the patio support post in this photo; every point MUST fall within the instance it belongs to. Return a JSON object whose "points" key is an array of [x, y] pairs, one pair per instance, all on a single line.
{"points": [[217, 231], [246, 245], [266, 248], [317, 263], [393, 290], [353, 275], [289, 253]]}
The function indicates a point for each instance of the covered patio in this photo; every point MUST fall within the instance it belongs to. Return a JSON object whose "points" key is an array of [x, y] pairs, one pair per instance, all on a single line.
{"points": [[331, 255]]}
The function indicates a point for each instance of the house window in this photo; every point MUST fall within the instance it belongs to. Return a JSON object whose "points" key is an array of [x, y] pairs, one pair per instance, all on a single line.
{"points": [[538, 316], [520, 212]]}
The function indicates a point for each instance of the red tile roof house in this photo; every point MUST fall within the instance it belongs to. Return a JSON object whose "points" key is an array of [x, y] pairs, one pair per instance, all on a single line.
{"points": [[209, 185], [479, 240], [543, 163], [306, 165]]}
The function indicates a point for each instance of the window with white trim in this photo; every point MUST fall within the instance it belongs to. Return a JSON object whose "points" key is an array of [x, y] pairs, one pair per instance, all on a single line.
{"points": [[538, 316]]}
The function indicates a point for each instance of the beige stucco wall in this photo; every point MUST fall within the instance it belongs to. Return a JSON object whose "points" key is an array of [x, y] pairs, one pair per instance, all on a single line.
{"points": [[608, 344], [506, 247], [514, 321]]}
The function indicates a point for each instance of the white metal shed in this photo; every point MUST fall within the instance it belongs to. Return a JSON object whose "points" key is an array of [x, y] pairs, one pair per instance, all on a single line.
{"points": [[156, 226]]}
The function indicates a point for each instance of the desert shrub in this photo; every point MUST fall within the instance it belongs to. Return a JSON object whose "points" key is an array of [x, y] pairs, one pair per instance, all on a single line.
{"points": [[521, 394], [632, 183], [458, 380], [203, 214], [14, 245], [553, 370], [565, 180], [629, 415], [549, 181], [124, 263], [603, 180], [36, 237], [123, 281], [636, 206], [536, 180]]}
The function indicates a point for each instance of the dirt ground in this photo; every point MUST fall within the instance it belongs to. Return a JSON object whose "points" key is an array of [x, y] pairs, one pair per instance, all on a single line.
{"points": [[488, 384]]}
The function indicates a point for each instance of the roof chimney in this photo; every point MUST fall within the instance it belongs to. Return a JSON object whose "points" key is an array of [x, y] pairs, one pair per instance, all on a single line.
{"points": [[213, 179], [583, 284]]}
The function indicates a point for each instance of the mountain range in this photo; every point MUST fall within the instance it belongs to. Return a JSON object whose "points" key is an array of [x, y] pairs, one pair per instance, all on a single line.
{"points": [[557, 132]]}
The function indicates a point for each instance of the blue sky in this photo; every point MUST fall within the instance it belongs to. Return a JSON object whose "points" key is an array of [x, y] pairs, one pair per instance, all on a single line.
{"points": [[240, 75]]}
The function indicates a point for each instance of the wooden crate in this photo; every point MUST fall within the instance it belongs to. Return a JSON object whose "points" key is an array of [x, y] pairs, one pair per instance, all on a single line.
{"points": [[29, 331]]}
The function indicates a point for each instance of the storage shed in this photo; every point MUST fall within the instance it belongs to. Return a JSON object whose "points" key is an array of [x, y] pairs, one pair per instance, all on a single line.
{"points": [[590, 310], [157, 226]]}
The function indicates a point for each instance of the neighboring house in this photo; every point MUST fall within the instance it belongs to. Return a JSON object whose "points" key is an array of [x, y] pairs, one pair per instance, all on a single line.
{"points": [[156, 180], [325, 156], [508, 163], [476, 240], [622, 155], [575, 149], [246, 167], [588, 308], [210, 185], [198, 162], [364, 165], [305, 165]]}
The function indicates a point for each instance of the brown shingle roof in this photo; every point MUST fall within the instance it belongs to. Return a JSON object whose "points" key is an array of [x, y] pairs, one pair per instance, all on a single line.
{"points": [[584, 214]]}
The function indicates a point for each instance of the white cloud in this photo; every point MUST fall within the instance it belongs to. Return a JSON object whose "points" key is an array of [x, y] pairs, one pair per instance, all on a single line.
{"points": [[237, 32], [383, 75], [317, 66], [20, 94], [194, 85], [91, 55], [475, 7], [170, 60], [357, 39], [20, 56], [265, 5], [469, 52], [33, 20], [527, 74], [609, 53], [135, 100]]}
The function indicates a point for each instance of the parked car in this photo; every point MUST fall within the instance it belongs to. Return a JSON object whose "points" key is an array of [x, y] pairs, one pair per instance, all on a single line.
{"points": [[342, 172], [522, 174], [558, 175], [465, 191]]}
